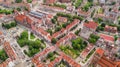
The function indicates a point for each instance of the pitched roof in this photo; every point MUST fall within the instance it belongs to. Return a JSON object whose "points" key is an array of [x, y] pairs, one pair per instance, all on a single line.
{"points": [[105, 62], [62, 19], [0, 32], [91, 24], [21, 18], [100, 51], [107, 37], [69, 36], [9, 51], [110, 29]]}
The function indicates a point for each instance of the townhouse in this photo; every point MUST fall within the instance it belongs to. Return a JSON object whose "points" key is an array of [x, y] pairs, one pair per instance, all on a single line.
{"points": [[37, 58], [1, 38], [110, 16], [41, 32], [63, 40], [107, 38], [62, 19], [5, 63], [70, 60], [59, 33], [49, 2], [24, 20], [10, 52], [88, 28], [101, 60], [83, 13], [87, 50], [35, 26], [67, 29], [110, 29], [66, 58]]}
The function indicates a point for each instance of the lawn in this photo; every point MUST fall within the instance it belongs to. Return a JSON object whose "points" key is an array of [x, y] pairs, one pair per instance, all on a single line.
{"points": [[9, 25], [77, 47], [6, 11], [32, 36], [3, 55], [93, 38], [70, 51], [34, 46]]}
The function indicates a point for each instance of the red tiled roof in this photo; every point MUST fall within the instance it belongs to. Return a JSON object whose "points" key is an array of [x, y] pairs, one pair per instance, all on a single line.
{"points": [[0, 32], [58, 33], [50, 16], [49, 1], [58, 59], [5, 63], [70, 60], [69, 36], [107, 37], [76, 21], [104, 62], [9, 51], [23, 18], [110, 29], [62, 19], [42, 31], [100, 51], [91, 24], [86, 51], [36, 60]]}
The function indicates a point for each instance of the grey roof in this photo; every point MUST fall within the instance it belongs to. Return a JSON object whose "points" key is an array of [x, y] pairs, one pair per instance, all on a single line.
{"points": [[37, 14]]}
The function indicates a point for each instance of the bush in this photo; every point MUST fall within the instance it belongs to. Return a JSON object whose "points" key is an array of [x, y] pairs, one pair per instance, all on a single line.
{"points": [[29, 1], [34, 46], [60, 5], [54, 41], [10, 25], [3, 55], [93, 38], [18, 1]]}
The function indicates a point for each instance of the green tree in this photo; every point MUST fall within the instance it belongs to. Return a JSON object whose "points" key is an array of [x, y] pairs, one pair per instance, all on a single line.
{"points": [[18, 1], [29, 1], [54, 41]]}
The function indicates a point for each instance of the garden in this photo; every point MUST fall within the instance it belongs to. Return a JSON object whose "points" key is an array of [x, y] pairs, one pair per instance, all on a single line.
{"points": [[58, 26], [3, 55], [9, 25], [75, 49], [50, 56], [93, 38], [34, 46], [6, 11]]}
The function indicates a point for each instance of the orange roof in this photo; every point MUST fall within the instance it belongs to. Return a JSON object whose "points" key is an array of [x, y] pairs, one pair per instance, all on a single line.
{"points": [[22, 18], [86, 51], [9, 51], [58, 33], [69, 36], [36, 60], [49, 1], [107, 37], [105, 62], [100, 51], [76, 21], [110, 29], [62, 19], [0, 32], [91, 24], [70, 60]]}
